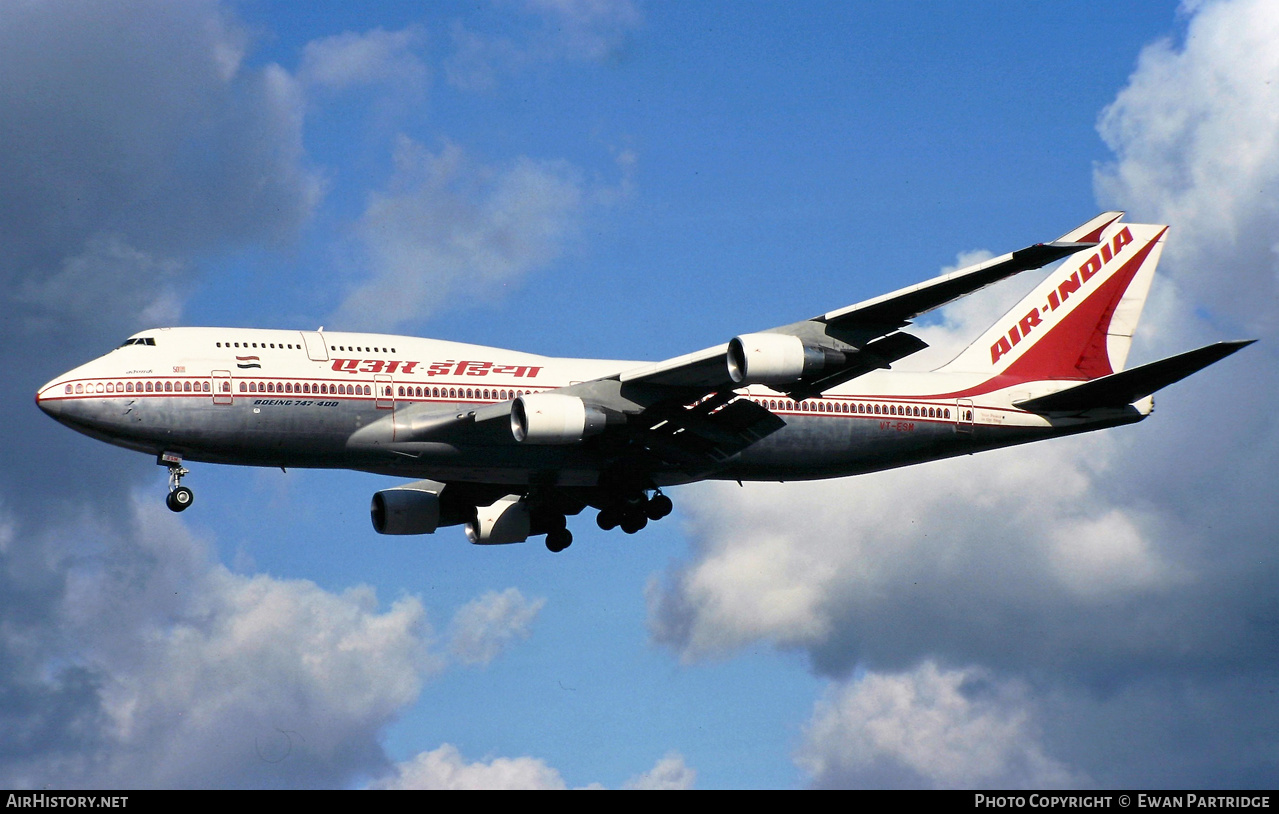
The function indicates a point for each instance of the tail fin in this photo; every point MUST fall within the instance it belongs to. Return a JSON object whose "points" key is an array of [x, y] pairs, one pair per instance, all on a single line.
{"points": [[1077, 324]]}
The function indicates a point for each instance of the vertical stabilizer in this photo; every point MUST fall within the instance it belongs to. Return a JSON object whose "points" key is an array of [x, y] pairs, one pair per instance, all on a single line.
{"points": [[1078, 323]]}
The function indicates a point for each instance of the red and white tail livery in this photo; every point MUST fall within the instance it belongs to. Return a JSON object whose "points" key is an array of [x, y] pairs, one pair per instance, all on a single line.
{"points": [[1078, 324]]}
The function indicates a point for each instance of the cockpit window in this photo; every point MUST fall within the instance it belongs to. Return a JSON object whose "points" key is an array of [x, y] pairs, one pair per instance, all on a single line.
{"points": [[139, 340]]}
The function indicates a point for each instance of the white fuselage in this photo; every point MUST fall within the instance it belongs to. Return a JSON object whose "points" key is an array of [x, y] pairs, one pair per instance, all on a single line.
{"points": [[291, 398]]}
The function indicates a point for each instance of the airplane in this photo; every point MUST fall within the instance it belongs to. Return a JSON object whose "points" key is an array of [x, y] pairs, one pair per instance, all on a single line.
{"points": [[511, 444]]}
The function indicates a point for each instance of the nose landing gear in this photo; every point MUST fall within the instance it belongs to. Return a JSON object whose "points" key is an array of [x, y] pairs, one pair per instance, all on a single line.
{"points": [[179, 497]]}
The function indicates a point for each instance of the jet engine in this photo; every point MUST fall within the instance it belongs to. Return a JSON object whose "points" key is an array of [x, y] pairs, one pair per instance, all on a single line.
{"points": [[410, 509], [506, 521], [554, 418], [777, 358]]}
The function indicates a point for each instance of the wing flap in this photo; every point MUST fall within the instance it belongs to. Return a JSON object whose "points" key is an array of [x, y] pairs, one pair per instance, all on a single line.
{"points": [[710, 431]]}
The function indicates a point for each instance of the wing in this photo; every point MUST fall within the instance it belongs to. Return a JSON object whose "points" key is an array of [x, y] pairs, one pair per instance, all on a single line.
{"points": [[840, 345]]}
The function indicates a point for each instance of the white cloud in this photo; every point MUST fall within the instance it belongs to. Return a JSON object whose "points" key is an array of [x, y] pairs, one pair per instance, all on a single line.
{"points": [[928, 728], [445, 768], [146, 664], [452, 231], [552, 30], [483, 628], [108, 280], [143, 121], [670, 773], [587, 29], [353, 59], [1196, 141], [195, 676], [965, 555]]}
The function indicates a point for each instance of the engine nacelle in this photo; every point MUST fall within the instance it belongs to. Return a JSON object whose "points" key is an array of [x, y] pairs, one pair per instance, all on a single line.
{"points": [[776, 359], [410, 509], [554, 418], [506, 521]]}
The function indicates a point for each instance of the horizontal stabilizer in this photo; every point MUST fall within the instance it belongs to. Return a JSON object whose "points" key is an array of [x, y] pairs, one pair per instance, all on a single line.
{"points": [[1120, 389]]}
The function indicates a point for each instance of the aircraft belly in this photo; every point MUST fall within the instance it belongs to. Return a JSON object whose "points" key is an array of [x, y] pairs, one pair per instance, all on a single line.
{"points": [[813, 447], [285, 433], [821, 447]]}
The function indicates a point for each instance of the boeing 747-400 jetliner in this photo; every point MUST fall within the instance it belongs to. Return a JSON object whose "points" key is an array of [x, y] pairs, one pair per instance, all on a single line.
{"points": [[511, 444]]}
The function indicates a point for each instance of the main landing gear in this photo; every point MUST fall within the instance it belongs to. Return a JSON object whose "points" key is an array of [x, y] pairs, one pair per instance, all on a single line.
{"points": [[179, 497], [633, 514], [558, 539]]}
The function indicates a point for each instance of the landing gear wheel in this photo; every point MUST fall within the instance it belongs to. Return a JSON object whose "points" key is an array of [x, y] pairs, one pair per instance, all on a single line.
{"points": [[558, 540], [608, 518], [658, 507], [632, 523], [179, 499]]}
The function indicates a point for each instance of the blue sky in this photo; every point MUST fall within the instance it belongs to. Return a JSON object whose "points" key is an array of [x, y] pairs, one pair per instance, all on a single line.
{"points": [[636, 180]]}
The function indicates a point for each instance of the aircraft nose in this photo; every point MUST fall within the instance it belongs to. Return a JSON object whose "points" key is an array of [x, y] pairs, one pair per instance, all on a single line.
{"points": [[48, 401]]}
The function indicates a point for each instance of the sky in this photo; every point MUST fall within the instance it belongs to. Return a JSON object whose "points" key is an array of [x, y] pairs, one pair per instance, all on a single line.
{"points": [[637, 180]]}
